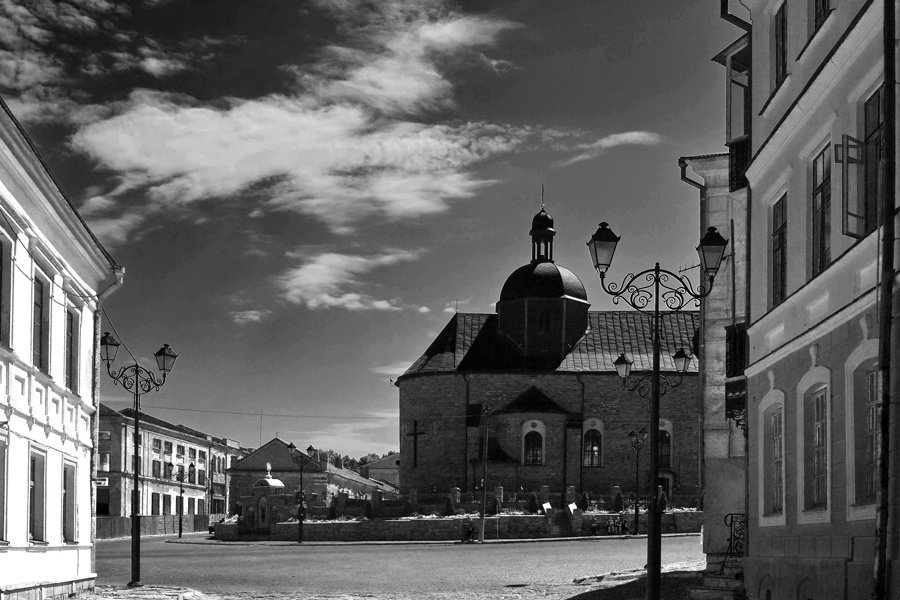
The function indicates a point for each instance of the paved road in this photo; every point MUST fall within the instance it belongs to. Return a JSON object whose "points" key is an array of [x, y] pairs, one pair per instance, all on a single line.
{"points": [[546, 569]]}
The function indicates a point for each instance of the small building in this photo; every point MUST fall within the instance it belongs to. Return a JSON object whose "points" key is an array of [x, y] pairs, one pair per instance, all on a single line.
{"points": [[320, 479], [384, 469]]}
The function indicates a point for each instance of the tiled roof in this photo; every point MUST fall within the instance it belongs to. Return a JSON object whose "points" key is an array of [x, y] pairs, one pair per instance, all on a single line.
{"points": [[471, 342]]}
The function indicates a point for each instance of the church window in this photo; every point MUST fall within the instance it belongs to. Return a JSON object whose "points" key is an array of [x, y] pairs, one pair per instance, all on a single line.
{"points": [[543, 323], [665, 449], [862, 390], [591, 448], [534, 446], [814, 437]]}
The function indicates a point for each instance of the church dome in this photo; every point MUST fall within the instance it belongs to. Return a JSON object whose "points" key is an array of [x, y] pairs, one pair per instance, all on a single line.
{"points": [[269, 482], [542, 280]]}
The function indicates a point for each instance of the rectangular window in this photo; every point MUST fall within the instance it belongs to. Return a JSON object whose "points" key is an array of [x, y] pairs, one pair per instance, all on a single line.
{"points": [[68, 502], [103, 464], [104, 435], [191, 475], [157, 469], [154, 503], [36, 497], [167, 504], [820, 448], [873, 159], [777, 462], [136, 464], [39, 325], [190, 506], [779, 251], [202, 457], [873, 388], [71, 363], [201, 477], [821, 211], [201, 506], [157, 445], [779, 32], [192, 454], [179, 451], [167, 447]]}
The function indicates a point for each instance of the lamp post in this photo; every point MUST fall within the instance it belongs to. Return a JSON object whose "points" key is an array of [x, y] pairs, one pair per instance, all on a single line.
{"points": [[640, 291], [297, 457], [137, 380], [180, 479], [637, 442]]}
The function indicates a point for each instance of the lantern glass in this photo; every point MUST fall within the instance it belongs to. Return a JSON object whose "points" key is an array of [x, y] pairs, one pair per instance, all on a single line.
{"points": [[165, 359], [109, 346], [682, 360], [711, 251], [623, 366], [602, 246]]}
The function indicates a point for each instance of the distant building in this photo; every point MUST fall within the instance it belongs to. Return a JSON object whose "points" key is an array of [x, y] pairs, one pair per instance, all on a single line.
{"points": [[537, 384], [320, 479], [166, 448], [383, 469], [54, 275]]}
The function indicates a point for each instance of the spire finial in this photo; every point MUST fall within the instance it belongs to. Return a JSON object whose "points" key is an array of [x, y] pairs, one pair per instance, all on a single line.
{"points": [[542, 196]]}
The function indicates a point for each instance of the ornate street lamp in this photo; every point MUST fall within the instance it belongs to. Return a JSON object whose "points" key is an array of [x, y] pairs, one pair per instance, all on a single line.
{"points": [[297, 457], [637, 442], [639, 291], [180, 478], [137, 380]]}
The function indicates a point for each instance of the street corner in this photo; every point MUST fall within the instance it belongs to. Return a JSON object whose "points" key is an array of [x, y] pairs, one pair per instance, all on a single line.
{"points": [[149, 592]]}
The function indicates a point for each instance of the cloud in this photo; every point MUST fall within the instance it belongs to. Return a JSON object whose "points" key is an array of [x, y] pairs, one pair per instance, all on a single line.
{"points": [[323, 280], [594, 149], [394, 370], [243, 317], [423, 310]]}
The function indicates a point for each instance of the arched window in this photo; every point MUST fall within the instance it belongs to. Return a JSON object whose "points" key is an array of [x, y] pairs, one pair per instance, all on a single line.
{"points": [[814, 445], [534, 448], [862, 389], [665, 449], [770, 426], [591, 448]]}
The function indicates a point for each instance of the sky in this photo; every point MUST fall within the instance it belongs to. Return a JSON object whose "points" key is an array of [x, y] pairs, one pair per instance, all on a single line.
{"points": [[303, 192]]}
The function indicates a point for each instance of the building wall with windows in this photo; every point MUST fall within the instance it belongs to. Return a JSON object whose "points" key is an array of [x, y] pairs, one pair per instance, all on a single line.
{"points": [[53, 276], [815, 182], [165, 449]]}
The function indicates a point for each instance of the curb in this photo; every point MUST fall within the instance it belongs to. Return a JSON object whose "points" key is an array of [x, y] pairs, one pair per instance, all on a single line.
{"points": [[214, 542]]}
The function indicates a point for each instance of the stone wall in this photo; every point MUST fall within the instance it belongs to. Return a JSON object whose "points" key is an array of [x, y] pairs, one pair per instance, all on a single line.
{"points": [[503, 527]]}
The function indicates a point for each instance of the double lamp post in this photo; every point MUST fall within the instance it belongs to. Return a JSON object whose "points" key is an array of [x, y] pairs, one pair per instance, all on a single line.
{"points": [[297, 457], [180, 478], [645, 291], [137, 380]]}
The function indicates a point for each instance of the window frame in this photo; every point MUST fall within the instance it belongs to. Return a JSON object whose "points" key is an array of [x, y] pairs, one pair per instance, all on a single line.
{"points": [[71, 362], [40, 321], [773, 401], [592, 456], [811, 508], [861, 362], [820, 211], [872, 143], [780, 45], [537, 456], [37, 497], [69, 501], [778, 250]]}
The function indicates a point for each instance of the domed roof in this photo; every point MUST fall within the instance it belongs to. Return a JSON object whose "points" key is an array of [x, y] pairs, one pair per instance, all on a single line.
{"points": [[542, 280], [269, 482], [542, 222]]}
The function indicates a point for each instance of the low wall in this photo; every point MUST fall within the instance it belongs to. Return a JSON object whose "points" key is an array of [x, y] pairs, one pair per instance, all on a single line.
{"points": [[502, 527], [120, 527], [671, 522]]}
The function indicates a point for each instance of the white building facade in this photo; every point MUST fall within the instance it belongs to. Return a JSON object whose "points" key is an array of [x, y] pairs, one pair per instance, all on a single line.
{"points": [[816, 181], [53, 276]]}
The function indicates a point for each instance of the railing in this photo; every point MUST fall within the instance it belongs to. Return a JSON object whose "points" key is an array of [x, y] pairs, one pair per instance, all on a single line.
{"points": [[736, 523]]}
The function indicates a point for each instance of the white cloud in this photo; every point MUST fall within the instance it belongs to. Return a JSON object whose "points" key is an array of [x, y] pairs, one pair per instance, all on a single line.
{"points": [[594, 149], [423, 310], [322, 281], [394, 370], [243, 317]]}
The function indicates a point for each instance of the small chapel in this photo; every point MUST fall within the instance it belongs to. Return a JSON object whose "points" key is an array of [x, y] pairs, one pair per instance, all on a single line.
{"points": [[528, 396]]}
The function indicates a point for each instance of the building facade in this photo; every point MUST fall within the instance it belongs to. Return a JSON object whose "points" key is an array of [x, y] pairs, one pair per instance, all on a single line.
{"points": [[816, 180], [54, 274], [181, 470], [529, 396]]}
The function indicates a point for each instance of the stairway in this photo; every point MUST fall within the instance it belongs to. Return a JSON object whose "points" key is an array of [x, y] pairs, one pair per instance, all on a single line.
{"points": [[559, 525], [725, 585]]}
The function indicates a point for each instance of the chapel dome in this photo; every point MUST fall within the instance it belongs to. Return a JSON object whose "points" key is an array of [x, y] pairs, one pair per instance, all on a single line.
{"points": [[269, 482], [542, 222], [542, 280]]}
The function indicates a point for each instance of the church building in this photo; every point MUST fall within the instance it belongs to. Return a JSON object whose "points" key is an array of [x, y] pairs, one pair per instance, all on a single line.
{"points": [[533, 389]]}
